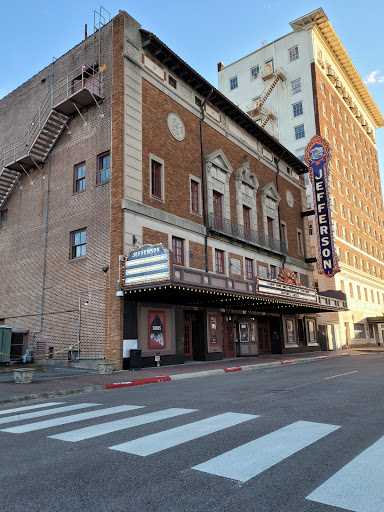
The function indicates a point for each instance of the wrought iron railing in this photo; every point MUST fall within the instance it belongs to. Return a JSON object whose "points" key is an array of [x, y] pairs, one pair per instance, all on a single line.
{"points": [[80, 78], [223, 226]]}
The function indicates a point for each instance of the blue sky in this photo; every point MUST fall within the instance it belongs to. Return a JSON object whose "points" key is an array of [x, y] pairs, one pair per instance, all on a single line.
{"points": [[202, 33]]}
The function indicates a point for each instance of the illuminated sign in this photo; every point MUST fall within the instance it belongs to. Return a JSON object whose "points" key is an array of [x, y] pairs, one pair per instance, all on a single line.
{"points": [[147, 264], [285, 290], [317, 158]]}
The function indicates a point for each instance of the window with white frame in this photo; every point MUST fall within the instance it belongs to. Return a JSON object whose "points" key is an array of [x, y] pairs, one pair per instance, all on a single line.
{"points": [[293, 53], [331, 99], [297, 109], [157, 177], [325, 112], [255, 72], [296, 86], [299, 132], [233, 84], [246, 185], [322, 87], [195, 195], [333, 121], [300, 154]]}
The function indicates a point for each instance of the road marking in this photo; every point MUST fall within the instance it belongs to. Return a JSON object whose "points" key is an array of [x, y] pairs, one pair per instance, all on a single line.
{"points": [[64, 420], [358, 486], [113, 426], [251, 459], [30, 415], [172, 437], [28, 407], [340, 375]]}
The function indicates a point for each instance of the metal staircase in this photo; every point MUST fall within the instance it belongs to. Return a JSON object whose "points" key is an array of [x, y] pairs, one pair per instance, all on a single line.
{"points": [[67, 97], [276, 76]]}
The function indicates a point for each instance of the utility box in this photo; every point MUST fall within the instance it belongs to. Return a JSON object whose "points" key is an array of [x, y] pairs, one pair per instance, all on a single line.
{"points": [[5, 343]]}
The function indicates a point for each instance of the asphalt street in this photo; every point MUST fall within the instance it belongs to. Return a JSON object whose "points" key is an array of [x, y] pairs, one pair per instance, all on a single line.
{"points": [[300, 438]]}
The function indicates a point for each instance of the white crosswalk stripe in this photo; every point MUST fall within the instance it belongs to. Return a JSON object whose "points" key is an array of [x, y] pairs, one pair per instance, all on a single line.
{"points": [[172, 437], [39, 414], [113, 426], [29, 407], [251, 459], [64, 420], [358, 486]]}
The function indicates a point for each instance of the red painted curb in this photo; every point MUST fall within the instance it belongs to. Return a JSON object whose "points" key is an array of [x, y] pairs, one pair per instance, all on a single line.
{"points": [[286, 362], [154, 380], [345, 354], [234, 369], [323, 357]]}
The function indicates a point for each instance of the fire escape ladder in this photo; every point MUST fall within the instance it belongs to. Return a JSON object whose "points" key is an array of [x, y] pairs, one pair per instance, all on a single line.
{"points": [[268, 91], [79, 89]]}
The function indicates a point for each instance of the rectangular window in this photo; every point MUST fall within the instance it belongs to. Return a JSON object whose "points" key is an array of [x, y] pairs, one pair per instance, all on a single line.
{"points": [[178, 250], [3, 219], [103, 168], [359, 331], [298, 109], [195, 197], [218, 205], [255, 71], [269, 68], [219, 258], [273, 271], [351, 290], [300, 246], [283, 233], [249, 268], [78, 243], [79, 177], [172, 82], [299, 132], [156, 179], [293, 53], [296, 86], [233, 83], [247, 221]]}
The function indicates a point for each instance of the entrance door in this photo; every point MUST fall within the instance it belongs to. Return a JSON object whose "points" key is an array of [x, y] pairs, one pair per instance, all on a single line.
{"points": [[228, 339], [187, 335], [263, 337]]}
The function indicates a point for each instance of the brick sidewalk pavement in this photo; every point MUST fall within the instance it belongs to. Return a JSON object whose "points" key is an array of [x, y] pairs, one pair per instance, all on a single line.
{"points": [[62, 381]]}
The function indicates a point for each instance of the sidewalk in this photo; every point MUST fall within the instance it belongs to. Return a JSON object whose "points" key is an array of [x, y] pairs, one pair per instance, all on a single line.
{"points": [[56, 382]]}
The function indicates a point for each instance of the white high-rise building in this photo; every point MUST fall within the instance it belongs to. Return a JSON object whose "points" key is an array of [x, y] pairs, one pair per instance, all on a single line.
{"points": [[304, 84]]}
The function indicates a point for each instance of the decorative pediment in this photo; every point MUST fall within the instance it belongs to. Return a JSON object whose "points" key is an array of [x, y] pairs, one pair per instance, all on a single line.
{"points": [[218, 159], [270, 190], [244, 174]]}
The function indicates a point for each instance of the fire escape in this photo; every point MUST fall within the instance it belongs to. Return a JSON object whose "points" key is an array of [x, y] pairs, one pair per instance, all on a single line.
{"points": [[257, 110], [67, 97]]}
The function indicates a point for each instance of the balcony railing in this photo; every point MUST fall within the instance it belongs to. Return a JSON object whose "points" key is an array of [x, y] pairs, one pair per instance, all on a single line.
{"points": [[232, 229]]}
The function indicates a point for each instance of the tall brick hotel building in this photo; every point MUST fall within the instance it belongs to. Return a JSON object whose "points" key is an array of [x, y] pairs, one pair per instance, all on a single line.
{"points": [[305, 84], [142, 209]]}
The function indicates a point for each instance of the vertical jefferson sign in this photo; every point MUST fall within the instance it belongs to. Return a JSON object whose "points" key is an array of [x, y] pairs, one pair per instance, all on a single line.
{"points": [[317, 158]]}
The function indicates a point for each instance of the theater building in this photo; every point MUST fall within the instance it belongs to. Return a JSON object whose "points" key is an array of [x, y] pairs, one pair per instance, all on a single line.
{"points": [[142, 209]]}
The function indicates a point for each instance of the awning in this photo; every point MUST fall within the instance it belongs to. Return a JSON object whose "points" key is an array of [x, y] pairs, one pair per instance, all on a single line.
{"points": [[375, 319], [192, 296]]}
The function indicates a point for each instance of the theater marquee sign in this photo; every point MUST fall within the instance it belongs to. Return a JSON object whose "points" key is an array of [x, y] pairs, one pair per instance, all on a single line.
{"points": [[317, 158]]}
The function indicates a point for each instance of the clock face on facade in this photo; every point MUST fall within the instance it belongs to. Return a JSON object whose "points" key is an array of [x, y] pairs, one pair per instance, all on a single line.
{"points": [[289, 198]]}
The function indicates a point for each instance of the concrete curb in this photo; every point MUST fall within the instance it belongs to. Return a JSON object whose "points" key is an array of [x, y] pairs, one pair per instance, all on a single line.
{"points": [[53, 394], [153, 380]]}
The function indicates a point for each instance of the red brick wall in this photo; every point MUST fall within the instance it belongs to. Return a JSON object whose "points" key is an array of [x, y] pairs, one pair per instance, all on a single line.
{"points": [[182, 158]]}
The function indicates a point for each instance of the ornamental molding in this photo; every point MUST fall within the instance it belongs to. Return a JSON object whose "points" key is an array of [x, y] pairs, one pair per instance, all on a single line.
{"points": [[176, 126], [244, 174]]}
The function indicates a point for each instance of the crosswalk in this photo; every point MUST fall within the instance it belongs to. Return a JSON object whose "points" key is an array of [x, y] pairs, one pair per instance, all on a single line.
{"points": [[242, 463]]}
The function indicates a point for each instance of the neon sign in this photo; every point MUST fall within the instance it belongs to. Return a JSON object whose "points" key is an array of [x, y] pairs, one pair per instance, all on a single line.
{"points": [[317, 158]]}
